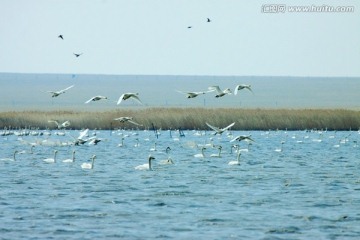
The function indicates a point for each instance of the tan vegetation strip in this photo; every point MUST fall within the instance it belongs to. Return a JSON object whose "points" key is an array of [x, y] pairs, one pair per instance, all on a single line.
{"points": [[190, 118]]}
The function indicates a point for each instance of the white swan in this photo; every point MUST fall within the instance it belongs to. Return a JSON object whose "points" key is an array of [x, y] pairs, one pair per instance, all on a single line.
{"points": [[10, 159], [80, 140], [146, 166], [191, 94], [96, 98], [242, 86], [62, 125], [219, 130], [169, 159], [245, 149], [126, 96], [30, 152], [122, 142], [281, 148], [70, 160], [51, 160], [237, 161], [137, 144], [200, 155], [127, 119], [154, 148], [219, 92], [89, 165], [57, 93], [218, 155]]}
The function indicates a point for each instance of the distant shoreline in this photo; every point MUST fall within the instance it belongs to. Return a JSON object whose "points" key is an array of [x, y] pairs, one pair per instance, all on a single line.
{"points": [[188, 119]]}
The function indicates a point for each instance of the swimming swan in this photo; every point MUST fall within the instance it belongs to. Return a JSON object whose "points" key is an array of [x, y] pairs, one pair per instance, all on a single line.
{"points": [[70, 160], [51, 160], [237, 161], [218, 155], [200, 155], [169, 159], [281, 148], [146, 166], [89, 165], [10, 159]]}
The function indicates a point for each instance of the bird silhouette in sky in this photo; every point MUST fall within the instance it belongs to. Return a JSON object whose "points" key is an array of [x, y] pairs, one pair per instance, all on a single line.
{"points": [[61, 36], [78, 54], [208, 20]]}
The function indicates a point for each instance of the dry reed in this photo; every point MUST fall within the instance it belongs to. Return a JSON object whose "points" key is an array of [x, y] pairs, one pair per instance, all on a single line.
{"points": [[190, 118]]}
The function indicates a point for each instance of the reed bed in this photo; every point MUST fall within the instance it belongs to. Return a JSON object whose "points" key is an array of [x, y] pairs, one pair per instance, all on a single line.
{"points": [[189, 118]]}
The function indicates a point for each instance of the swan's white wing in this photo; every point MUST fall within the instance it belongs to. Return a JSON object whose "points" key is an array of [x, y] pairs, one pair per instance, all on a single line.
{"points": [[138, 124], [66, 123], [197, 93], [213, 128], [120, 99], [53, 121], [215, 88], [66, 89], [91, 99], [136, 98], [236, 89], [120, 118], [224, 129], [83, 134], [181, 92], [235, 139]]}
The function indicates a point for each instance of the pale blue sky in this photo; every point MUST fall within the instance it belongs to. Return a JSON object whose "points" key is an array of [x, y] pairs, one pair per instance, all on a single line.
{"points": [[151, 37]]}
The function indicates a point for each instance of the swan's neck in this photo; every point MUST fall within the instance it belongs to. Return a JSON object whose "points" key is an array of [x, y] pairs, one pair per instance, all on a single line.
{"points": [[55, 156], [150, 164], [73, 157], [92, 163], [202, 152], [238, 157], [15, 156]]}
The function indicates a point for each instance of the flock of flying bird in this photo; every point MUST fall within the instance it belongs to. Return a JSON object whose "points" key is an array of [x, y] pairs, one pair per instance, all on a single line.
{"points": [[83, 136], [135, 96]]}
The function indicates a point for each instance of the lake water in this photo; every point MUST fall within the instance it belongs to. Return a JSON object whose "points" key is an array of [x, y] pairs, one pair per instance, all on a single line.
{"points": [[310, 190]]}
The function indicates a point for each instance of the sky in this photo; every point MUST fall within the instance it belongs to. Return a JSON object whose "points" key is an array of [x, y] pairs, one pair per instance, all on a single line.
{"points": [[141, 37]]}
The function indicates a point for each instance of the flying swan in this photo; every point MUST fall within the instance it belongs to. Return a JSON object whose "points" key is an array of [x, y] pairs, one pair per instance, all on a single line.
{"points": [[126, 96], [57, 93], [95, 98], [219, 130]]}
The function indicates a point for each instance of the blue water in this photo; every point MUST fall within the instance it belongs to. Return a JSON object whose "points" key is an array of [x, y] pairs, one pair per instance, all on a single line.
{"points": [[309, 190]]}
